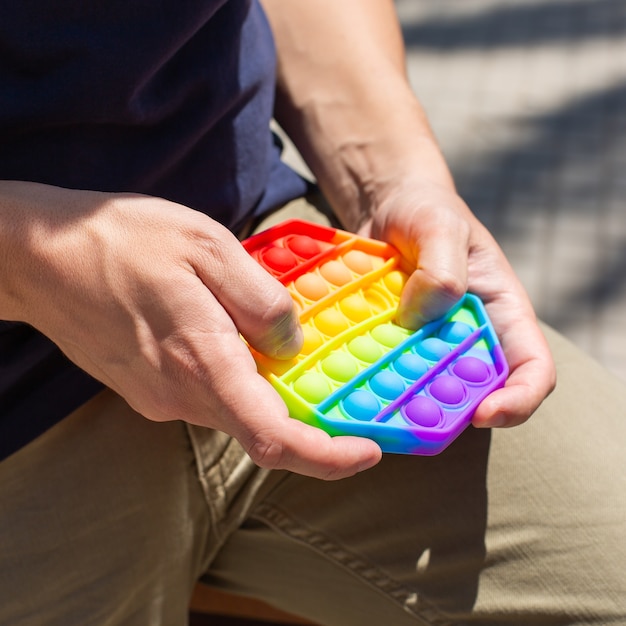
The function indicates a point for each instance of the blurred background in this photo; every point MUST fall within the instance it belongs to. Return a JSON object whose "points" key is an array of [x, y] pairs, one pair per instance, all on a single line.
{"points": [[528, 101]]}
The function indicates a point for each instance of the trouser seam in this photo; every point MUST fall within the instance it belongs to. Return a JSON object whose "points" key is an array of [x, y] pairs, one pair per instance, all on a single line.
{"points": [[281, 522], [200, 471]]}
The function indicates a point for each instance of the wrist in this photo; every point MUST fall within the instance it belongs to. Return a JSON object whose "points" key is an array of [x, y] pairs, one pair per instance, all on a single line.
{"points": [[15, 243], [360, 154], [38, 255]]}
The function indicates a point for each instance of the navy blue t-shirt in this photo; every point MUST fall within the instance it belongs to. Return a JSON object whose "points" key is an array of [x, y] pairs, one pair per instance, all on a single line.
{"points": [[171, 99]]}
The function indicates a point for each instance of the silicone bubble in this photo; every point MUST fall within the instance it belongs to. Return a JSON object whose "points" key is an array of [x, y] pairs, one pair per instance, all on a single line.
{"points": [[471, 369], [359, 262], [340, 366], [423, 411], [448, 390], [355, 307], [311, 286], [361, 405], [312, 339], [313, 387], [376, 301], [410, 365], [365, 348], [455, 332], [387, 385], [336, 272], [395, 281], [432, 348], [303, 245], [331, 322], [389, 335], [279, 259]]}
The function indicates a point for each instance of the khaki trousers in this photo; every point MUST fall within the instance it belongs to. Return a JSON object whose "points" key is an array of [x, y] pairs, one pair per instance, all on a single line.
{"points": [[111, 519]]}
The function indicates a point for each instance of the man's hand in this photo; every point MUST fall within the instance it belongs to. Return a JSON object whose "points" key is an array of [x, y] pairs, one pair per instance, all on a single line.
{"points": [[453, 253], [350, 110], [152, 299]]}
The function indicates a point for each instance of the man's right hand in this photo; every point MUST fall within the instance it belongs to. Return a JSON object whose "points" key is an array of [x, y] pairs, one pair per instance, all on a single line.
{"points": [[152, 298]]}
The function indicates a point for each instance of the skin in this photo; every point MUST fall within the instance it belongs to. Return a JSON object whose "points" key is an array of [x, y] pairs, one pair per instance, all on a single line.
{"points": [[150, 297], [368, 142]]}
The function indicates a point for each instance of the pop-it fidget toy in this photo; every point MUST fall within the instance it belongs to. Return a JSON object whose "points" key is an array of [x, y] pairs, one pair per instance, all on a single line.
{"points": [[359, 373]]}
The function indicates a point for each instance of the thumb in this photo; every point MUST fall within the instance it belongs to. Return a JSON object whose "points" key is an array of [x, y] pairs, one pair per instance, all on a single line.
{"points": [[274, 440], [260, 306], [440, 251]]}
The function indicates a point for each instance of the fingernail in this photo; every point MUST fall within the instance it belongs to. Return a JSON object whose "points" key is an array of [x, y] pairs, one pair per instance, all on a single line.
{"points": [[292, 346]]}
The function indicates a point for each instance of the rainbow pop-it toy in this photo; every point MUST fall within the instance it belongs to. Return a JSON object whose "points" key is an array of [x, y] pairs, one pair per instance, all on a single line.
{"points": [[359, 373]]}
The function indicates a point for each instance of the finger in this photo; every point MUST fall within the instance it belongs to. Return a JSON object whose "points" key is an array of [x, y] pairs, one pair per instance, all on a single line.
{"points": [[245, 405], [261, 308], [310, 451], [511, 405], [440, 278], [274, 440], [531, 380]]}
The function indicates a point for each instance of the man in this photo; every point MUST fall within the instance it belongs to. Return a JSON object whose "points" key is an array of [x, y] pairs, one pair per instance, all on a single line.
{"points": [[154, 131]]}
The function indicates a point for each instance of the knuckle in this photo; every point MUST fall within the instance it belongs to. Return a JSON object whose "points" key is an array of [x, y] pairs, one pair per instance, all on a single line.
{"points": [[267, 452], [450, 286], [441, 291], [330, 474]]}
